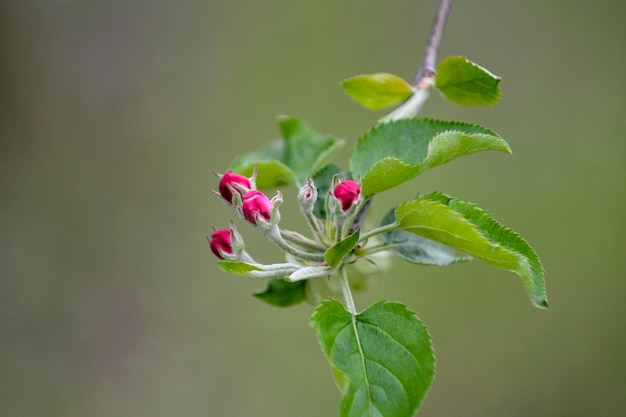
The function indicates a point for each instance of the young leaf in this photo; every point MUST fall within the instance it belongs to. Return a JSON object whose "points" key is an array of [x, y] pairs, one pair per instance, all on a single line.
{"points": [[377, 91], [300, 153], [382, 359], [245, 269], [418, 249], [280, 293], [394, 152], [238, 268], [463, 82], [335, 254], [463, 226]]}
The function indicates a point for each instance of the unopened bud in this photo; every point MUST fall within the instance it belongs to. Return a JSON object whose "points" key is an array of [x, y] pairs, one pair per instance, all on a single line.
{"points": [[307, 197], [255, 205], [348, 193], [221, 242], [227, 185]]}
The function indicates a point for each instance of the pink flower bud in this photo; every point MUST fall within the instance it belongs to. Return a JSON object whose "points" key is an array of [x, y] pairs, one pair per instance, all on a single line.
{"points": [[226, 183], [347, 192], [255, 204], [221, 240]]}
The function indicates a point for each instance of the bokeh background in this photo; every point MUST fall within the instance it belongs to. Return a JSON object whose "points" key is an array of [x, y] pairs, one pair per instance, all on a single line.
{"points": [[114, 115]]}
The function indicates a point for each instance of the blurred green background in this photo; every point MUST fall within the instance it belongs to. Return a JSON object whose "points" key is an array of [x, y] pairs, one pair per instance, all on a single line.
{"points": [[114, 115]]}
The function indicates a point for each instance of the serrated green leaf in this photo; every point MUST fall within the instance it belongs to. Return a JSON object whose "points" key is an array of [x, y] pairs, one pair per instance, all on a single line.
{"points": [[281, 293], [377, 91], [394, 152], [335, 254], [418, 249], [382, 358], [464, 226], [463, 82], [300, 152]]}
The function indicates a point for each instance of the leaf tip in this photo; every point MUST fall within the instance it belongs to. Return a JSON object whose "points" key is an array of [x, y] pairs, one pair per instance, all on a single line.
{"points": [[507, 148], [542, 303]]}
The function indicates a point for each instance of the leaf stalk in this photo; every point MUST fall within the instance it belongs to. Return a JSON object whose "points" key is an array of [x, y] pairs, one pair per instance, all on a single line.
{"points": [[347, 292]]}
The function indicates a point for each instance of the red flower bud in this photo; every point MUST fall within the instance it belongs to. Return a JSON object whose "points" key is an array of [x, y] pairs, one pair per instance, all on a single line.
{"points": [[221, 240], [347, 192], [226, 182], [256, 204]]}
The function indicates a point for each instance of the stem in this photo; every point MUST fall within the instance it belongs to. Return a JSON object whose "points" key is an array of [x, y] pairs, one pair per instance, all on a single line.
{"points": [[277, 271], [358, 216], [359, 220], [378, 231], [275, 236], [423, 80], [427, 68], [314, 226], [411, 107], [347, 292], [245, 257], [302, 241], [372, 249], [383, 247]]}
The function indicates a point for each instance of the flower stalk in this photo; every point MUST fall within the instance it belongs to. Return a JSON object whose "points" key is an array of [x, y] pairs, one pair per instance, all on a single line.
{"points": [[275, 236]]}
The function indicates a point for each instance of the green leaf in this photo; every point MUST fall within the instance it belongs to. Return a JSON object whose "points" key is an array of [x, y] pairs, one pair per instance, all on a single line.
{"points": [[307, 151], [382, 359], [463, 226], [245, 269], [238, 268], [272, 171], [280, 293], [377, 91], [418, 249], [300, 153], [463, 82], [394, 152], [335, 254]]}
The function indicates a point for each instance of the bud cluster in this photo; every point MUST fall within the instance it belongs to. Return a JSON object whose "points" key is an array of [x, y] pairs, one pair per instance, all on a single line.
{"points": [[305, 255]]}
